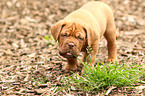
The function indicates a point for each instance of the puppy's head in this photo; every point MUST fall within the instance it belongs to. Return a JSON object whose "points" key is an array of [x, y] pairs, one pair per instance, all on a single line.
{"points": [[72, 37]]}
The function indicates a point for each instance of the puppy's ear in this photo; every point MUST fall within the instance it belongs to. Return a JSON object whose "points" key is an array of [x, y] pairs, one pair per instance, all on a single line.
{"points": [[56, 29], [91, 35]]}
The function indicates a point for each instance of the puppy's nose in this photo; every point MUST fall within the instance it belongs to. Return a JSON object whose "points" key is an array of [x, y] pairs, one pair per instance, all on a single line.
{"points": [[71, 45]]}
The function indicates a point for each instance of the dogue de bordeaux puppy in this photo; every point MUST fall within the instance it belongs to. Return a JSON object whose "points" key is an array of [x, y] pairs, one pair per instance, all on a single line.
{"points": [[83, 29]]}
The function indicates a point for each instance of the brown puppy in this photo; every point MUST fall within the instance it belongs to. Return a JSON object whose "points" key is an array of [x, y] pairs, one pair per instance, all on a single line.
{"points": [[83, 28]]}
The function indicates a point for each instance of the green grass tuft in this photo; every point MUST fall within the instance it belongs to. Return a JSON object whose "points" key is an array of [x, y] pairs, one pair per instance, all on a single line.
{"points": [[49, 39], [100, 77]]}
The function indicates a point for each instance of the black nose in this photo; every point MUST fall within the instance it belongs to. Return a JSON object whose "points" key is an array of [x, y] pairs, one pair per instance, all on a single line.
{"points": [[71, 45]]}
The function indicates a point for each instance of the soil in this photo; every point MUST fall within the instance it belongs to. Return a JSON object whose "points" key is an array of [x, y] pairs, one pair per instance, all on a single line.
{"points": [[31, 65]]}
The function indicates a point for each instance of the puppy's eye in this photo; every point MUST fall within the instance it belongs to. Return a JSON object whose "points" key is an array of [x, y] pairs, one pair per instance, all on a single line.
{"points": [[64, 35], [80, 38]]}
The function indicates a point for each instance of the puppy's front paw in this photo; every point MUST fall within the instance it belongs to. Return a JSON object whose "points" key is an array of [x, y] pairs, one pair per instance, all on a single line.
{"points": [[79, 64], [69, 67], [82, 72]]}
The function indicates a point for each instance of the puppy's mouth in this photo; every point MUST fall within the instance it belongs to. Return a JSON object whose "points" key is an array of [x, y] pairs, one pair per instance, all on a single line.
{"points": [[68, 54]]}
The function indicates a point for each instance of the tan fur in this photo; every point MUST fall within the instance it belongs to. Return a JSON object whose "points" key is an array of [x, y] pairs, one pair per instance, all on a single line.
{"points": [[83, 27]]}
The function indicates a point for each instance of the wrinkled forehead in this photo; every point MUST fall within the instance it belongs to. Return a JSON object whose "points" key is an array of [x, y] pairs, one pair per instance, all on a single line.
{"points": [[74, 29]]}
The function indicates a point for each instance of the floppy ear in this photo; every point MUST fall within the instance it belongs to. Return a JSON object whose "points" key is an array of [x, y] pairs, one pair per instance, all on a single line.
{"points": [[91, 35], [56, 29]]}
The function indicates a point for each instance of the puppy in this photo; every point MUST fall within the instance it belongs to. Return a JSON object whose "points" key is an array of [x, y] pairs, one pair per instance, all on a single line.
{"points": [[82, 29]]}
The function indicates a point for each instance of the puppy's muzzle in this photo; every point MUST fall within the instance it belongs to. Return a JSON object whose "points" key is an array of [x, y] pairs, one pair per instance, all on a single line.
{"points": [[70, 45], [69, 50]]}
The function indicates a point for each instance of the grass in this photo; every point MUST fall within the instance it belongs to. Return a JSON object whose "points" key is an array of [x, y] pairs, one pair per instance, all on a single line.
{"points": [[40, 80], [49, 39], [100, 77]]}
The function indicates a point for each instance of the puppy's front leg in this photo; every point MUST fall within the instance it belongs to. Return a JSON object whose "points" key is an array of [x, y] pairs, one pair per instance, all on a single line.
{"points": [[90, 56], [71, 64]]}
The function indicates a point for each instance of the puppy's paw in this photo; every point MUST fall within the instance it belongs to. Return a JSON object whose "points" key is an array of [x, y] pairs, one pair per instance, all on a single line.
{"points": [[111, 60], [82, 72], [69, 67], [79, 64]]}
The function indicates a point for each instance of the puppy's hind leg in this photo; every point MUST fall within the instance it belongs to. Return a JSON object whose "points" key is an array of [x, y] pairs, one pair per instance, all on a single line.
{"points": [[110, 35]]}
